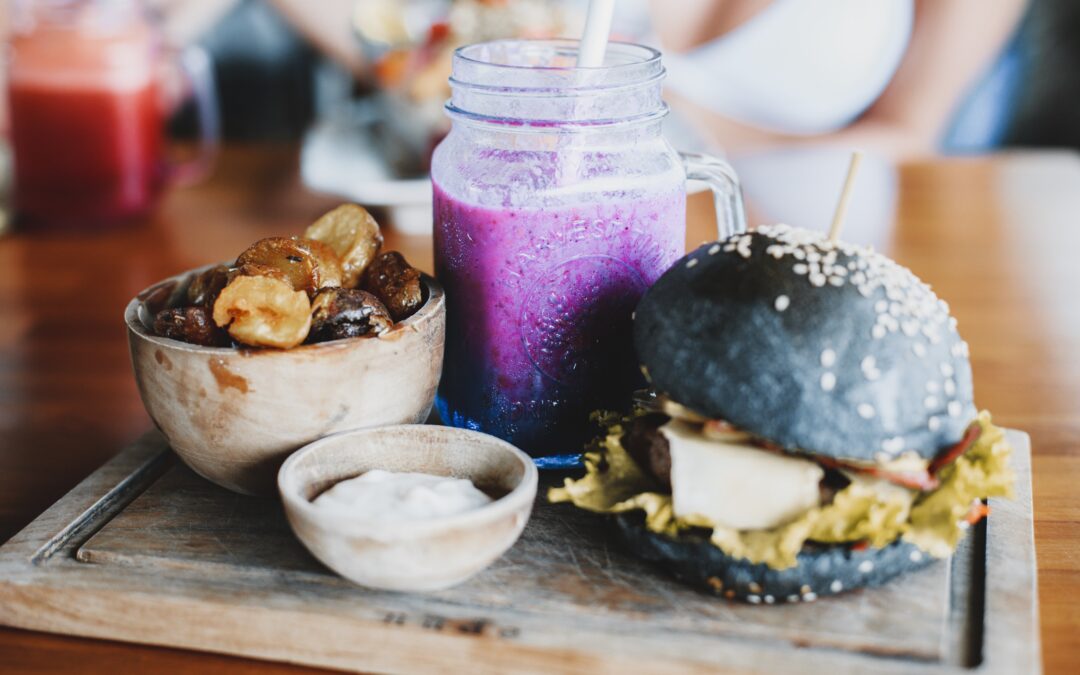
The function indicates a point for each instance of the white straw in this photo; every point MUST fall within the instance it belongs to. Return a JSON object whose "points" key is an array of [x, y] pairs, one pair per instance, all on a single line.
{"points": [[595, 37]]}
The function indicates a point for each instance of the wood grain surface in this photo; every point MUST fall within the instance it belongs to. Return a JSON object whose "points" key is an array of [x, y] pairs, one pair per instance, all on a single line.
{"points": [[146, 551], [996, 237]]}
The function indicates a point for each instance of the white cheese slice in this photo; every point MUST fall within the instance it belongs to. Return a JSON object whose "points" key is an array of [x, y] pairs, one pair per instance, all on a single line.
{"points": [[735, 485]]}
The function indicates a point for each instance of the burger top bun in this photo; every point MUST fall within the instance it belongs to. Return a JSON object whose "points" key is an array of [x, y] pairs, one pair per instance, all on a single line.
{"points": [[829, 348]]}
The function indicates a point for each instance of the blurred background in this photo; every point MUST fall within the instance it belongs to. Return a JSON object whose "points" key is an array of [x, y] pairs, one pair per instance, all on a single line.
{"points": [[359, 85]]}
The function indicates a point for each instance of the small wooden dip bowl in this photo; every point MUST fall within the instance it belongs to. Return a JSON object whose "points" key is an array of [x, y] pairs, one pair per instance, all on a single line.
{"points": [[421, 555], [233, 415]]}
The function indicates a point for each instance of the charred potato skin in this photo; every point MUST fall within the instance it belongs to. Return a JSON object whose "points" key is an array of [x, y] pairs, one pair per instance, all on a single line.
{"points": [[338, 313], [308, 266], [354, 236], [257, 270], [263, 311], [205, 286], [396, 283], [194, 325]]}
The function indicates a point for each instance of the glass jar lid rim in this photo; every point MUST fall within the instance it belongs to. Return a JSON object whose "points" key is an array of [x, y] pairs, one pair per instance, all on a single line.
{"points": [[651, 55]]}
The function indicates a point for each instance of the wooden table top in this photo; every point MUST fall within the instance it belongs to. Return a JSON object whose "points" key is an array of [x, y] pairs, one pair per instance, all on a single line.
{"points": [[995, 236]]}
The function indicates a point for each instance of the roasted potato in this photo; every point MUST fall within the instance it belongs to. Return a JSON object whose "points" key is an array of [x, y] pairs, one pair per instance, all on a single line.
{"points": [[190, 324], [308, 265], [263, 311], [396, 283], [338, 313], [353, 235], [206, 285]]}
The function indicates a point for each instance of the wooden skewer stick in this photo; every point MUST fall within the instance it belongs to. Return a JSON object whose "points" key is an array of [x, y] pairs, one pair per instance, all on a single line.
{"points": [[845, 197]]}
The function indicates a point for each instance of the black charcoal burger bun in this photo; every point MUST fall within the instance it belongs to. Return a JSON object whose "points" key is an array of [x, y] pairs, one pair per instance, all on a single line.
{"points": [[831, 349], [821, 570]]}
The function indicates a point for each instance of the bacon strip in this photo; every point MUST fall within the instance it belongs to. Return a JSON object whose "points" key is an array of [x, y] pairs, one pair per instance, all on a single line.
{"points": [[977, 513], [915, 480], [949, 455]]}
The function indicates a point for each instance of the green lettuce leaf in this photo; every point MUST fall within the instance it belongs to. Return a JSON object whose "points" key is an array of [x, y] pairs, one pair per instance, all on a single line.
{"points": [[868, 509], [937, 521]]}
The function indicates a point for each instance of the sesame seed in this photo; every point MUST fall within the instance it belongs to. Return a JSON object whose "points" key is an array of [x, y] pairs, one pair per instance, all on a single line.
{"points": [[792, 598], [818, 279], [946, 370], [753, 599], [754, 587], [950, 387], [769, 599], [963, 524], [809, 597], [828, 381], [866, 566], [836, 280], [691, 262], [869, 368], [828, 358], [866, 411], [955, 408], [934, 423], [894, 445], [878, 332], [916, 556], [836, 586], [799, 268], [781, 303], [714, 249]]}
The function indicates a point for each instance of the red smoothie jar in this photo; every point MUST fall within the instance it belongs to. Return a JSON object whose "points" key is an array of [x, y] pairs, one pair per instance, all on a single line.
{"points": [[90, 86]]}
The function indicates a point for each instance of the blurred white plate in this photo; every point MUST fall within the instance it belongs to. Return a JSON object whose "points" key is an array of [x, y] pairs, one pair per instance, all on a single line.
{"points": [[342, 158]]}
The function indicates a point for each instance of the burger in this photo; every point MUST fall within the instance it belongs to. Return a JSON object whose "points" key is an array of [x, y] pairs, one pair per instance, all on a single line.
{"points": [[810, 428]]}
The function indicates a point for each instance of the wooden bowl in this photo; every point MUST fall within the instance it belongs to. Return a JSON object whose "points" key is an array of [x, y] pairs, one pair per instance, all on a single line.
{"points": [[421, 555], [233, 415]]}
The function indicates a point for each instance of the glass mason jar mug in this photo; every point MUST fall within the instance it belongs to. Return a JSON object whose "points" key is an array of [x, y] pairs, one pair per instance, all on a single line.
{"points": [[557, 203]]}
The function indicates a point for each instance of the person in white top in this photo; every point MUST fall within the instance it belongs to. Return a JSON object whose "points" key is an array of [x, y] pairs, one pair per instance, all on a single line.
{"points": [[881, 74]]}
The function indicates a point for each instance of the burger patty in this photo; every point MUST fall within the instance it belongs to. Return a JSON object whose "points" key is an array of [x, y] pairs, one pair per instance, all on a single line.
{"points": [[643, 441]]}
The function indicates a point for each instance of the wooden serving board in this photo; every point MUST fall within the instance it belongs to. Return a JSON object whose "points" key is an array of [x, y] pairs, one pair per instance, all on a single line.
{"points": [[146, 551]]}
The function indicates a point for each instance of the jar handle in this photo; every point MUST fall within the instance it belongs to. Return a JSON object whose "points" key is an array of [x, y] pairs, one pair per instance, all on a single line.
{"points": [[197, 70], [727, 193]]}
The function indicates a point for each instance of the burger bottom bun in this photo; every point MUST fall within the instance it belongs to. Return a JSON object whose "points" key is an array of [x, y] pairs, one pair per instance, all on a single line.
{"points": [[821, 570]]}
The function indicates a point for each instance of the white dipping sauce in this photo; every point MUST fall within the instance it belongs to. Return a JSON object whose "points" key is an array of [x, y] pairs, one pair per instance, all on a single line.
{"points": [[391, 496]]}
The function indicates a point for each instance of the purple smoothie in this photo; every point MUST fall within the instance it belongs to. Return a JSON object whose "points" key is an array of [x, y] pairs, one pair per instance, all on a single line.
{"points": [[539, 309]]}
